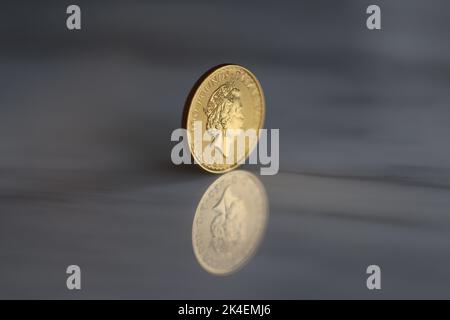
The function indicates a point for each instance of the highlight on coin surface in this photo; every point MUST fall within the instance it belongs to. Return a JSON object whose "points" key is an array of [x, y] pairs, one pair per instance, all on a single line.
{"points": [[229, 222], [223, 117]]}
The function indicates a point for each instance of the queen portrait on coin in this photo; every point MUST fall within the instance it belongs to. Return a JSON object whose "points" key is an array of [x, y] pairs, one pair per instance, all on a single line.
{"points": [[224, 112]]}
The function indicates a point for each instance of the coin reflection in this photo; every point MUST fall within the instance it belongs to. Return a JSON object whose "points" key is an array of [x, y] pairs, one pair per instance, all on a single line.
{"points": [[229, 223]]}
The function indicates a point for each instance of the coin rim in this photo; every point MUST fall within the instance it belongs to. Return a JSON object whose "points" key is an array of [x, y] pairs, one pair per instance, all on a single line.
{"points": [[188, 104]]}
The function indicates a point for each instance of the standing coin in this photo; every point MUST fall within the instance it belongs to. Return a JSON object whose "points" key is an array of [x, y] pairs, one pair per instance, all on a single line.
{"points": [[229, 222], [223, 115]]}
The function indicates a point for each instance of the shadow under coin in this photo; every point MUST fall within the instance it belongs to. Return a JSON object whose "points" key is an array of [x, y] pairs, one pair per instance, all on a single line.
{"points": [[230, 222]]}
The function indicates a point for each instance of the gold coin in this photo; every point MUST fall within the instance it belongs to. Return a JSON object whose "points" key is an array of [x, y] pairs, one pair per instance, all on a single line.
{"points": [[229, 222], [227, 99]]}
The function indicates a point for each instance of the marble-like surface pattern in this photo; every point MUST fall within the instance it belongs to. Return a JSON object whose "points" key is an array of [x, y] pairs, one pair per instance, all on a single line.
{"points": [[85, 171]]}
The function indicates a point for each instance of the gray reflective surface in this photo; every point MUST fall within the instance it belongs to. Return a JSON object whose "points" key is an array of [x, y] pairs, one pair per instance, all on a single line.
{"points": [[85, 171]]}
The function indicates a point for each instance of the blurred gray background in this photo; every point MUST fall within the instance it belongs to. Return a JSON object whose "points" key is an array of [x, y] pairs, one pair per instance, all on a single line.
{"points": [[85, 170]]}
